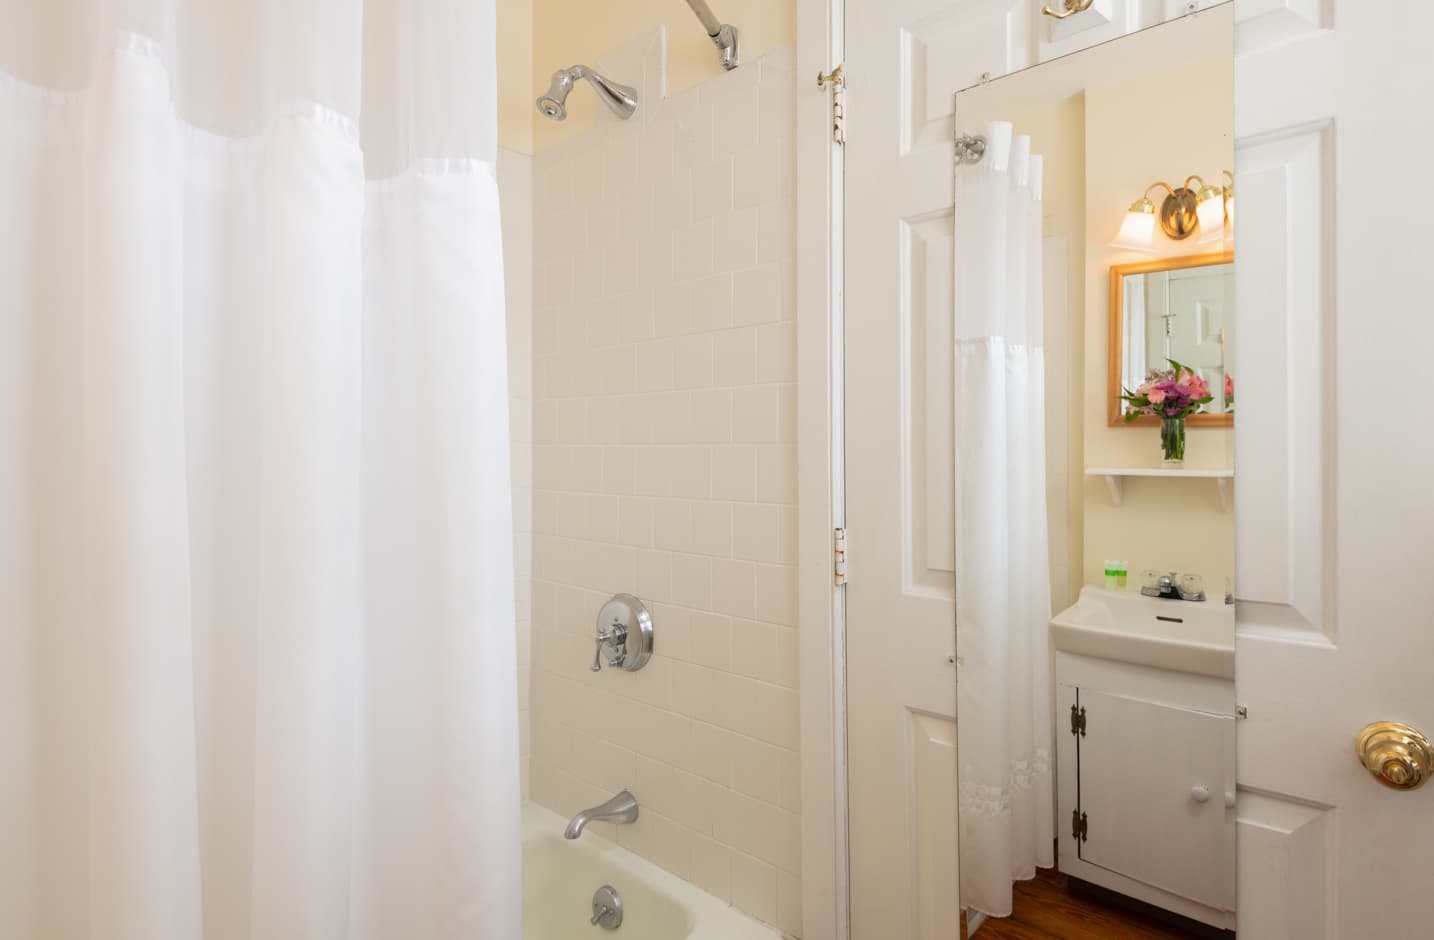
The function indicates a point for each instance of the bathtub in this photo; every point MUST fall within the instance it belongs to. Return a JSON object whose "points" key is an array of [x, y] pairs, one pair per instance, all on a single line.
{"points": [[560, 876]]}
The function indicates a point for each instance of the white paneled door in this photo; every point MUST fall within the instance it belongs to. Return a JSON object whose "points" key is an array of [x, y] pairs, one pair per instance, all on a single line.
{"points": [[1334, 452], [1333, 504], [904, 60]]}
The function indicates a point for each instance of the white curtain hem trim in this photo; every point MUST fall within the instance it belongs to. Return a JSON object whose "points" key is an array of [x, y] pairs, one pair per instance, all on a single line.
{"points": [[320, 116]]}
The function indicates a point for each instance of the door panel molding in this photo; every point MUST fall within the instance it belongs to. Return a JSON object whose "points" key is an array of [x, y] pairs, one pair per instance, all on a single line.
{"points": [[1285, 564], [950, 49], [1287, 867], [927, 296], [1260, 24], [932, 785]]}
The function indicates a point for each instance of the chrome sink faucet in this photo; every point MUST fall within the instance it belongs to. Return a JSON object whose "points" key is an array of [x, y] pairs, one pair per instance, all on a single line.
{"points": [[1176, 587], [620, 809]]}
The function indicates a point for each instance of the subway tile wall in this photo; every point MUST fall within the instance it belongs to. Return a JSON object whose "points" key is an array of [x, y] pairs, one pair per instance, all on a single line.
{"points": [[664, 464]]}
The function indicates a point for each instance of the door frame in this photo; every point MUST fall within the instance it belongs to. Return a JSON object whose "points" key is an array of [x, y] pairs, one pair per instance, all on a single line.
{"points": [[820, 476]]}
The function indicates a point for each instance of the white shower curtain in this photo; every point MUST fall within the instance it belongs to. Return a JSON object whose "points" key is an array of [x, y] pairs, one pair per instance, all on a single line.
{"points": [[257, 673], [1002, 568]]}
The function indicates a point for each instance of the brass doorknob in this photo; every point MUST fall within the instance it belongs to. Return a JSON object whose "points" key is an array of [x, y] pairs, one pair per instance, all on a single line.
{"points": [[1400, 756]]}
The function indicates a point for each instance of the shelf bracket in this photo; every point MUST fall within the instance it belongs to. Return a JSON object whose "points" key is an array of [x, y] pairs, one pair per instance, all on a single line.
{"points": [[1112, 483]]}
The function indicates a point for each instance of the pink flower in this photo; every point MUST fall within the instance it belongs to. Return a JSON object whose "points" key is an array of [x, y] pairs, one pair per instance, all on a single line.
{"points": [[1195, 383], [1229, 386], [1156, 395]]}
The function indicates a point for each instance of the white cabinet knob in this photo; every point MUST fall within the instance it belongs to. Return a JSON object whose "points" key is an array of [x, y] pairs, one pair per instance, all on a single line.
{"points": [[1230, 798], [1200, 793]]}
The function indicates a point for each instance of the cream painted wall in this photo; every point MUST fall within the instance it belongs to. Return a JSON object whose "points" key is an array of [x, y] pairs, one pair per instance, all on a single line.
{"points": [[565, 32], [515, 71], [1157, 126], [1106, 136]]}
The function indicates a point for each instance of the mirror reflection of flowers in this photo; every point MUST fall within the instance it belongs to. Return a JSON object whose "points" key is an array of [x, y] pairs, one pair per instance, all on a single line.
{"points": [[1176, 392], [1229, 392]]}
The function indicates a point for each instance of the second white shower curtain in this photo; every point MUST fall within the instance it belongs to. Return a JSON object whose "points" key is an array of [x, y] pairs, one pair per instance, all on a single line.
{"points": [[1002, 568], [257, 656]]}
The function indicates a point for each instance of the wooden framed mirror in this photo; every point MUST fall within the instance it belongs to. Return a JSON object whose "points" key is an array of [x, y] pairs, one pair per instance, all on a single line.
{"points": [[1179, 308]]}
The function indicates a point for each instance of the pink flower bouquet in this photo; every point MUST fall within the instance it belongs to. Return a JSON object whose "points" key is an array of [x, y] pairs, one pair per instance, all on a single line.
{"points": [[1176, 392]]}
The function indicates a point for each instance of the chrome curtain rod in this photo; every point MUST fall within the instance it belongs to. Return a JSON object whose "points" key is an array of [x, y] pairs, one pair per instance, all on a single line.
{"points": [[723, 36]]}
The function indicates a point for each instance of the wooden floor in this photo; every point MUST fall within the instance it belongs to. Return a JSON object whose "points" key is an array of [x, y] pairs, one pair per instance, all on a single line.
{"points": [[1046, 909]]}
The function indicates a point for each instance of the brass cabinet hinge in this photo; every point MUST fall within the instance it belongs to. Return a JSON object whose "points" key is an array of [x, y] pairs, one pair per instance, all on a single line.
{"points": [[1080, 825], [1078, 721], [839, 555], [836, 81]]}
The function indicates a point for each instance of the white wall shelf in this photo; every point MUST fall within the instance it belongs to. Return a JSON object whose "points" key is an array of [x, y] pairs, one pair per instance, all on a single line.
{"points": [[1115, 479]]}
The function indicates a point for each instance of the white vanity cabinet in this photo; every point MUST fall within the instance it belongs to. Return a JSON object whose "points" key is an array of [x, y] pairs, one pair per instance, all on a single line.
{"points": [[1146, 784]]}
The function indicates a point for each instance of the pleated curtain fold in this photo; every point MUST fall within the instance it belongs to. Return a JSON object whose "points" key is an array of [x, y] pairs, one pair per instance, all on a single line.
{"points": [[257, 653], [1007, 810]]}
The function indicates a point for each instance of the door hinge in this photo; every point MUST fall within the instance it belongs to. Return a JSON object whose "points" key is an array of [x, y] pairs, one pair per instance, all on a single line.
{"points": [[836, 81], [1078, 721], [839, 555], [1079, 825]]}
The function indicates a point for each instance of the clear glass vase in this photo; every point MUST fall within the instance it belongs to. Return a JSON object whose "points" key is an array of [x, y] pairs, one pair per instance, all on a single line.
{"points": [[1172, 441]]}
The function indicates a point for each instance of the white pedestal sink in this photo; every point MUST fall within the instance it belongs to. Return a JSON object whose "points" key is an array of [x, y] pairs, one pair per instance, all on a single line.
{"points": [[1183, 636]]}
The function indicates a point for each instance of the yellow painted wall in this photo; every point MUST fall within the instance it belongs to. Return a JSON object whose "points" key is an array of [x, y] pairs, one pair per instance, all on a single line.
{"points": [[566, 32], [1110, 122], [1161, 125], [515, 70]]}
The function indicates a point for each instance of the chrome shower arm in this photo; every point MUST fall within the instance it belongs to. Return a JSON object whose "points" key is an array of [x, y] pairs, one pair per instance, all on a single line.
{"points": [[723, 35], [620, 99]]}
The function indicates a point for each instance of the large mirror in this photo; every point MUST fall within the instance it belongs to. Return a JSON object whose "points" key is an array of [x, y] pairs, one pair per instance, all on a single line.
{"points": [[1094, 407]]}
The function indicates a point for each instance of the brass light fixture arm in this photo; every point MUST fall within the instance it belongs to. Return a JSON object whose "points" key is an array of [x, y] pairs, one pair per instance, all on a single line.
{"points": [[1068, 8], [1169, 190]]}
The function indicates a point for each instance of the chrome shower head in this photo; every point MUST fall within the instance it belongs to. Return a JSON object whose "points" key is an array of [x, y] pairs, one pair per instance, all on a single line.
{"points": [[620, 99]]}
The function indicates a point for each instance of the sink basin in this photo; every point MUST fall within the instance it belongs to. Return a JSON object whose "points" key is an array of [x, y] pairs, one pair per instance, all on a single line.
{"points": [[1184, 636]]}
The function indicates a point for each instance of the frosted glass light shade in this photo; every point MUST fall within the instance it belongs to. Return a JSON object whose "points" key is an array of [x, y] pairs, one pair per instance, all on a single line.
{"points": [[1211, 213], [1137, 232]]}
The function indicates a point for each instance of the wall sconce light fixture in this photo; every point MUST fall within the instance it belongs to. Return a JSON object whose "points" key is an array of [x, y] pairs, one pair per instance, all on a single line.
{"points": [[1196, 206], [1068, 8]]}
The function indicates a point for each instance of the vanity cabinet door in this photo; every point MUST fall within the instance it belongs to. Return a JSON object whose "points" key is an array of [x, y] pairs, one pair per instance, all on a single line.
{"points": [[1153, 785]]}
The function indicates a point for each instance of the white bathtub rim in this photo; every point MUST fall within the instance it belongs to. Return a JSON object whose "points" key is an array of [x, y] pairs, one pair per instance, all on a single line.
{"points": [[714, 919]]}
